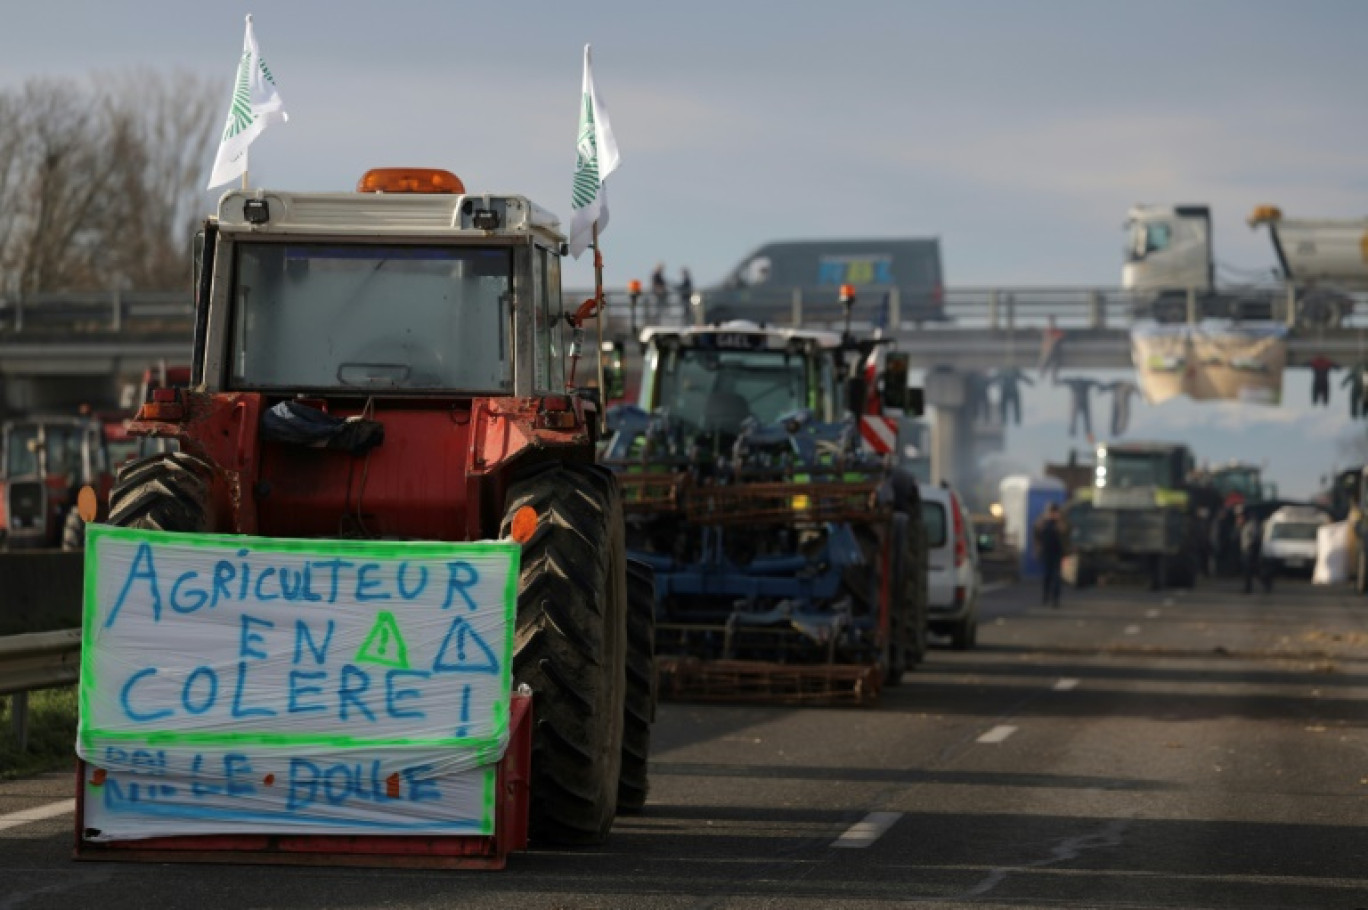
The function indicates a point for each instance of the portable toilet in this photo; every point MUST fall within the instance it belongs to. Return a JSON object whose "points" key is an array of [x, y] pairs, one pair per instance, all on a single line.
{"points": [[1023, 500]]}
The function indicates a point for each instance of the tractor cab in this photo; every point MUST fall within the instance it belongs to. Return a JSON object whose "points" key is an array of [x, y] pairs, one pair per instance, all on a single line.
{"points": [[46, 461]]}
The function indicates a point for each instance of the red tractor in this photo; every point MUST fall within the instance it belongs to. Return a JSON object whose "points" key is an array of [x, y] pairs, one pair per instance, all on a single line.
{"points": [[46, 461], [392, 363]]}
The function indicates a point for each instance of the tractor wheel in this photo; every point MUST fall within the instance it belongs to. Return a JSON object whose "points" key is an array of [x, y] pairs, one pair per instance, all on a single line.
{"points": [[900, 606], [73, 531], [964, 634], [570, 647], [640, 700], [164, 492]]}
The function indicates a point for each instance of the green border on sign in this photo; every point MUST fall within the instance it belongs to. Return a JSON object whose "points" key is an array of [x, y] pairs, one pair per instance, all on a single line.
{"points": [[323, 547]]}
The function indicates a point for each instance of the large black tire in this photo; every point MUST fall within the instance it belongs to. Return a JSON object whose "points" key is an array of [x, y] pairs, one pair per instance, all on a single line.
{"points": [[73, 531], [640, 699], [570, 648], [169, 491], [964, 633]]}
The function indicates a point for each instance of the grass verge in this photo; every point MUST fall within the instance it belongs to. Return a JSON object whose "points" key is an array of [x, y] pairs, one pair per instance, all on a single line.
{"points": [[52, 733]]}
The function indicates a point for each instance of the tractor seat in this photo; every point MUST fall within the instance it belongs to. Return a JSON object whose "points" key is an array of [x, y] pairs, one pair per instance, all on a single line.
{"points": [[725, 411]]}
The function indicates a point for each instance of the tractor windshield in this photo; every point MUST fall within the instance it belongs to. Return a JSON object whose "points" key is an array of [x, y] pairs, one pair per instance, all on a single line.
{"points": [[1135, 469], [57, 451], [717, 390], [371, 317]]}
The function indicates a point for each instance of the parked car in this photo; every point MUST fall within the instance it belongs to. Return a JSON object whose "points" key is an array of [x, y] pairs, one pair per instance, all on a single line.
{"points": [[1289, 539], [954, 578]]}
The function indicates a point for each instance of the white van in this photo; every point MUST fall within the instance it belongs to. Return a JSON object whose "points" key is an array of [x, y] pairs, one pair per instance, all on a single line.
{"points": [[953, 577], [1289, 540]]}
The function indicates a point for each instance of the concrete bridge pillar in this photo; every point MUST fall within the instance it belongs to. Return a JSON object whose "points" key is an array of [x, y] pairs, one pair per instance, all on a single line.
{"points": [[957, 438]]}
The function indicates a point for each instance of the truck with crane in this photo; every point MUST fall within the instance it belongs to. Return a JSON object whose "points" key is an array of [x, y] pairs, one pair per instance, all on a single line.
{"points": [[1170, 263], [789, 559], [389, 365]]}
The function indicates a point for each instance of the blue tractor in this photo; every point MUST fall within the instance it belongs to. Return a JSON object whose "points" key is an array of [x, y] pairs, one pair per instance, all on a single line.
{"points": [[788, 554]]}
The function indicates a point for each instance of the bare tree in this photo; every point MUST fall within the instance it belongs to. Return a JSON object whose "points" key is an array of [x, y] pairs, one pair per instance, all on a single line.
{"points": [[98, 186]]}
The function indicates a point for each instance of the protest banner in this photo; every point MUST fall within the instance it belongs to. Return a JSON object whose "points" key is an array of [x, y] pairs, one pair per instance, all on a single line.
{"points": [[236, 684]]}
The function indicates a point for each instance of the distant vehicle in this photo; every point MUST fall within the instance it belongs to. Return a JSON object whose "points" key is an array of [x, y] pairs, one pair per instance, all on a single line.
{"points": [[46, 460], [1169, 251], [954, 578], [1289, 539], [763, 286]]}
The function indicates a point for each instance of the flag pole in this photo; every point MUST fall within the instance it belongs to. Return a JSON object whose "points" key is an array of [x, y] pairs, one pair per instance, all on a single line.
{"points": [[602, 315]]}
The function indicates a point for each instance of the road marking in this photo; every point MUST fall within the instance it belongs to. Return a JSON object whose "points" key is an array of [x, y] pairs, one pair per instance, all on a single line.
{"points": [[37, 814], [1151, 614], [1065, 685], [868, 830], [1132, 630], [997, 734]]}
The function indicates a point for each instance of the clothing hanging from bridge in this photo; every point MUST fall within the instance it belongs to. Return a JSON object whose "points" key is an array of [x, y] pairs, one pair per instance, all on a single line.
{"points": [[1320, 379], [1080, 408], [1009, 382], [1354, 382], [1121, 391]]}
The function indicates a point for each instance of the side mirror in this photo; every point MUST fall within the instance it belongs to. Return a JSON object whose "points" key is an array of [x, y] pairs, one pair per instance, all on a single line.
{"points": [[614, 371], [894, 380]]}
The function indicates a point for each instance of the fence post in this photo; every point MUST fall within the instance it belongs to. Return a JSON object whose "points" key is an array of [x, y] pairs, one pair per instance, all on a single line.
{"points": [[1011, 312], [1192, 306], [993, 299], [894, 310], [19, 312], [116, 313], [1097, 310], [797, 308], [19, 719]]}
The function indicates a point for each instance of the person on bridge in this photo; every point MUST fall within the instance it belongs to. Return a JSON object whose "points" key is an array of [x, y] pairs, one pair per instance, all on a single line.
{"points": [[685, 287], [659, 289], [1051, 350], [1320, 379], [1009, 382], [1121, 392], [1080, 408], [1049, 541]]}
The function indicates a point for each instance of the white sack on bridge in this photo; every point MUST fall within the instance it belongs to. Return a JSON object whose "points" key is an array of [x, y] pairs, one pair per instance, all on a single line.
{"points": [[1210, 364], [1332, 554]]}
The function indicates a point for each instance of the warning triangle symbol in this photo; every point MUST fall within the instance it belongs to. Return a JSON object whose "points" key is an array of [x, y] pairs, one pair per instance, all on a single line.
{"points": [[384, 645], [464, 651]]}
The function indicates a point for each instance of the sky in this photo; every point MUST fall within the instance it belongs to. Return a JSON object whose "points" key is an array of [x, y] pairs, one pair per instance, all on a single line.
{"points": [[1016, 131]]}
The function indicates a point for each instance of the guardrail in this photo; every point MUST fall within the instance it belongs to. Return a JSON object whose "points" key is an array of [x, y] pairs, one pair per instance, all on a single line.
{"points": [[38, 660]]}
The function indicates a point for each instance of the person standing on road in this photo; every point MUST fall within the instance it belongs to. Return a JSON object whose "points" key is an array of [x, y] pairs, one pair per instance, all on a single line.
{"points": [[1251, 547], [1049, 540], [685, 287], [659, 289]]}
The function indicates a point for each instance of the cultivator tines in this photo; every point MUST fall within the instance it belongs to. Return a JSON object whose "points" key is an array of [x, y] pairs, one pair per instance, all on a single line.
{"points": [[651, 492], [783, 502], [692, 679]]}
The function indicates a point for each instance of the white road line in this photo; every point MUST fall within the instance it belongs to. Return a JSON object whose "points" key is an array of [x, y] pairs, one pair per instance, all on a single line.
{"points": [[1065, 684], [868, 830], [997, 734], [1132, 630], [37, 814], [1151, 614]]}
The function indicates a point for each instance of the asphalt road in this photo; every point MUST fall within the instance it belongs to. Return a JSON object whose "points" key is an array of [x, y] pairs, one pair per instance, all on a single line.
{"points": [[1129, 749]]}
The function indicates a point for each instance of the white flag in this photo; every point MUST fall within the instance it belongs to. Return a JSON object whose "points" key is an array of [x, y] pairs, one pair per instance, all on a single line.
{"points": [[256, 103], [596, 156]]}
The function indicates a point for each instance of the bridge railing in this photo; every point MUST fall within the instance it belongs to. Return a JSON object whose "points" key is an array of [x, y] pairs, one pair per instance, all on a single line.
{"points": [[96, 313], [171, 313]]}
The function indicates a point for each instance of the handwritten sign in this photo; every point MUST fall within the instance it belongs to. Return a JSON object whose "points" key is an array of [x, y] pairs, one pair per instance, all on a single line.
{"points": [[237, 684]]}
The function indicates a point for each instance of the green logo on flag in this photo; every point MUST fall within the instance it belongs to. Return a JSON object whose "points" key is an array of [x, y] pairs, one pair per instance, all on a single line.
{"points": [[240, 115], [586, 182]]}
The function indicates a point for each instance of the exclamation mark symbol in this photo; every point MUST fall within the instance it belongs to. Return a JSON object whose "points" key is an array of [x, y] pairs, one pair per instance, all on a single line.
{"points": [[462, 730]]}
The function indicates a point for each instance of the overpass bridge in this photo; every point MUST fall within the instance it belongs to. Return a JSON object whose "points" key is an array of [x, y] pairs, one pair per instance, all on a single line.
{"points": [[58, 351]]}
